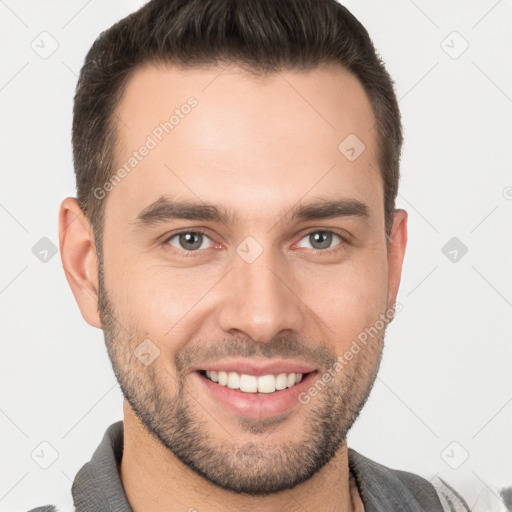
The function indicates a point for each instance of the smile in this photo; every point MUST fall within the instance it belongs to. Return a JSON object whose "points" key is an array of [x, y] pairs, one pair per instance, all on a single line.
{"points": [[251, 384], [255, 396]]}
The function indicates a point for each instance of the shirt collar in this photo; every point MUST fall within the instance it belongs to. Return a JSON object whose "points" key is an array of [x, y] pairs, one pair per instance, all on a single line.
{"points": [[97, 486]]}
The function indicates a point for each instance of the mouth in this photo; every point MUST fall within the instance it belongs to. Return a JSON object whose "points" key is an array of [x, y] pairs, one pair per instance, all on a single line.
{"points": [[255, 396], [263, 384]]}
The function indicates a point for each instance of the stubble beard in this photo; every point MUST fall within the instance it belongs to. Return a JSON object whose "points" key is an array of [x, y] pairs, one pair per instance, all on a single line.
{"points": [[259, 467]]}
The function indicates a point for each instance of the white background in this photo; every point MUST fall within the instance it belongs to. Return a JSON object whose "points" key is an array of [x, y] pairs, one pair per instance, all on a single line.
{"points": [[446, 373]]}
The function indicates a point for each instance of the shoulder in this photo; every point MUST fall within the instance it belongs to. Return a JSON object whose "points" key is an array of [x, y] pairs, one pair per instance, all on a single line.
{"points": [[384, 488], [450, 499]]}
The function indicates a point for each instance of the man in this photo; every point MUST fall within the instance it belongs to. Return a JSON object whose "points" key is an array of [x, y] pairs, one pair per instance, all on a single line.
{"points": [[235, 236]]}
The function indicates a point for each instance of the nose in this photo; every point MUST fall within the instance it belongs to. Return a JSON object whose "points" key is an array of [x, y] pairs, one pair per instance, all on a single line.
{"points": [[259, 299]]}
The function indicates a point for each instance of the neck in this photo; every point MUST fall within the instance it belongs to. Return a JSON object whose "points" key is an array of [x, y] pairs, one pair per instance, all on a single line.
{"points": [[155, 480]]}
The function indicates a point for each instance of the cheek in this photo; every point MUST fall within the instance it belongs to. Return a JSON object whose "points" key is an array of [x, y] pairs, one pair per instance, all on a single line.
{"points": [[164, 302], [347, 298]]}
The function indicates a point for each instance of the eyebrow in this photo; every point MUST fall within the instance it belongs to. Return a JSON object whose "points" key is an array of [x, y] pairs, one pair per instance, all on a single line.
{"points": [[165, 209]]}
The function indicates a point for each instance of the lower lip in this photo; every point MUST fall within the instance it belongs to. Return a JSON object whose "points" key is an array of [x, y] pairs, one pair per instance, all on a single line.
{"points": [[256, 405]]}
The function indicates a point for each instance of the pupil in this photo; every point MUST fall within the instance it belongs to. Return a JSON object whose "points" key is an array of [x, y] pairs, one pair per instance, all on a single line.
{"points": [[321, 238], [188, 238]]}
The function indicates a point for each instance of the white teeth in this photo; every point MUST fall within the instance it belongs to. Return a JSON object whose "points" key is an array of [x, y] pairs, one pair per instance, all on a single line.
{"points": [[266, 384], [281, 381], [248, 383], [233, 380], [252, 384], [212, 375]]}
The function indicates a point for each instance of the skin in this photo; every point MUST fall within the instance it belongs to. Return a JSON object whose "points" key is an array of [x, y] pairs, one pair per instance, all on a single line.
{"points": [[258, 146]]}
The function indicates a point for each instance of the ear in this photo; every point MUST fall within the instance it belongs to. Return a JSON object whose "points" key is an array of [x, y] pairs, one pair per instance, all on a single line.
{"points": [[396, 253], [79, 258]]}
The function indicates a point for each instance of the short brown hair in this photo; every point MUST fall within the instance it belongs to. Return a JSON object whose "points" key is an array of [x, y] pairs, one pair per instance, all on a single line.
{"points": [[264, 36]]}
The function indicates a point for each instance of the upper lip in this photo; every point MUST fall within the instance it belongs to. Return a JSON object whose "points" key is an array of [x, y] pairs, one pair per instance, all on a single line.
{"points": [[250, 367]]}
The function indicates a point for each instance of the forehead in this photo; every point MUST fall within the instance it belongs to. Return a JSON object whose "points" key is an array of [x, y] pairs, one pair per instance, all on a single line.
{"points": [[231, 137]]}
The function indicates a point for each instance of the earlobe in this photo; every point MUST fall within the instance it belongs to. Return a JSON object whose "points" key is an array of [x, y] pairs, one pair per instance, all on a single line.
{"points": [[79, 258], [396, 253]]}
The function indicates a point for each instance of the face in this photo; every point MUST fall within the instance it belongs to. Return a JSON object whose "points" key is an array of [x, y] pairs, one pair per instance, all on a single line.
{"points": [[245, 243]]}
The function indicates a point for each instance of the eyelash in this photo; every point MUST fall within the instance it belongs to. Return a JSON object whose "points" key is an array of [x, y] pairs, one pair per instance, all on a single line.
{"points": [[340, 246]]}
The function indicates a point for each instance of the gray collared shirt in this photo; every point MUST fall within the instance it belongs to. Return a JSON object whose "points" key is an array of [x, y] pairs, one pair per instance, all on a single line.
{"points": [[98, 488]]}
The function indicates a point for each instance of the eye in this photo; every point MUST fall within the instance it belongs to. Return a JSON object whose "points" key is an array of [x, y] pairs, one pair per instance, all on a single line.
{"points": [[321, 240], [190, 241]]}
